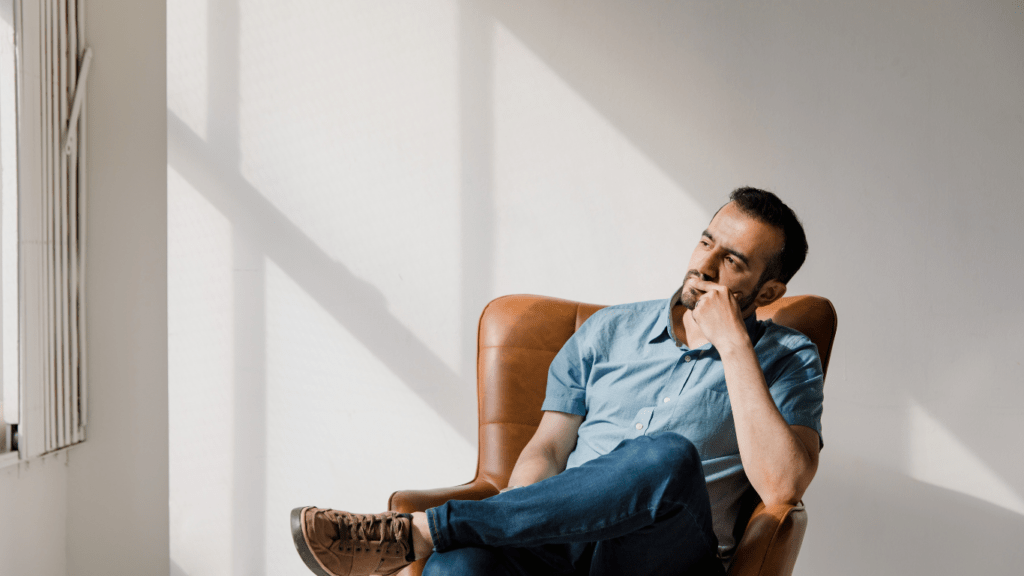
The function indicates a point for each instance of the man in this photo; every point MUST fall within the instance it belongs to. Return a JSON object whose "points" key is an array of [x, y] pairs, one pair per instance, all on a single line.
{"points": [[658, 417]]}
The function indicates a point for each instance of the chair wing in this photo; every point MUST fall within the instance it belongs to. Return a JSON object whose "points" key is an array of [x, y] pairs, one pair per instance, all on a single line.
{"points": [[518, 338]]}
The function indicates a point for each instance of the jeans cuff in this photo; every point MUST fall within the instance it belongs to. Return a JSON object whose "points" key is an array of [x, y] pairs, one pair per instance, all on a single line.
{"points": [[436, 533]]}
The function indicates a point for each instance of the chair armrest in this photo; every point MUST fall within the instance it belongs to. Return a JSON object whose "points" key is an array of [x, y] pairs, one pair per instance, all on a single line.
{"points": [[771, 541], [419, 500]]}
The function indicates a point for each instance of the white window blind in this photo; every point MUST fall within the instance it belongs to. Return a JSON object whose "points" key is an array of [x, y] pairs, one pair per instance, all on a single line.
{"points": [[43, 348]]}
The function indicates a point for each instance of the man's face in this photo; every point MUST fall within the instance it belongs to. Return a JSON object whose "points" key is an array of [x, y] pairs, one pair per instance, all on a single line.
{"points": [[733, 252]]}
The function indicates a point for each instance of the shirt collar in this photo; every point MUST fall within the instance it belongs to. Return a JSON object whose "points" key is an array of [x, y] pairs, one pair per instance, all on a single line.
{"points": [[662, 328]]}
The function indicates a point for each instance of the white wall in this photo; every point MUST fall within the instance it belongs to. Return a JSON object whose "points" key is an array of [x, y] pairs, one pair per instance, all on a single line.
{"points": [[101, 508], [350, 182], [33, 517]]}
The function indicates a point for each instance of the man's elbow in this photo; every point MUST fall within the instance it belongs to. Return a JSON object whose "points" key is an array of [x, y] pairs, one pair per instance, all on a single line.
{"points": [[788, 490], [782, 496]]}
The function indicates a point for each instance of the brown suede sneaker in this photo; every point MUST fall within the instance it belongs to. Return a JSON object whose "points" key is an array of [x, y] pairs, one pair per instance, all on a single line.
{"points": [[336, 543]]}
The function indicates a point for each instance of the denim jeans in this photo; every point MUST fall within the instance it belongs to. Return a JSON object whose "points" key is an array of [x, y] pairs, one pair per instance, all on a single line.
{"points": [[641, 509]]}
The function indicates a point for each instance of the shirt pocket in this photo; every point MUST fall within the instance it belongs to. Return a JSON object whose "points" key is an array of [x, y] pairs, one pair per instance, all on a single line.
{"points": [[640, 423], [708, 423]]}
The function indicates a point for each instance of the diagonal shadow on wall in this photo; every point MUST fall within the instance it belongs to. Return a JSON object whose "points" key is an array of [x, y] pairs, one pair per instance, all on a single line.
{"points": [[351, 301]]}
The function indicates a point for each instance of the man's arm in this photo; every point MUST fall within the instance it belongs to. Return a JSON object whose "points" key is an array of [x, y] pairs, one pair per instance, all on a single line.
{"points": [[780, 460], [547, 452]]}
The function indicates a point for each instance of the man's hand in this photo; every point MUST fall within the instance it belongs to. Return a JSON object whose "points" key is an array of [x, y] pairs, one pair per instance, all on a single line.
{"points": [[717, 314]]}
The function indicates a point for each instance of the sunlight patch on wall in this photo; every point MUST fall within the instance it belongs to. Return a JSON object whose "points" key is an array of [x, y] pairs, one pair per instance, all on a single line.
{"points": [[938, 457], [348, 120], [581, 211], [200, 380], [187, 62], [342, 430]]}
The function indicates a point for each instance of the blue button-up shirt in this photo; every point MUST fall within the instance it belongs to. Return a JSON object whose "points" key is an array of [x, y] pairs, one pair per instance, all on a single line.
{"points": [[625, 373]]}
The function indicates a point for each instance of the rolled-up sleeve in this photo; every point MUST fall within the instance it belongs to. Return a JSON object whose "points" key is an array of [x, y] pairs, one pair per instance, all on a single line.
{"points": [[568, 375], [797, 384]]}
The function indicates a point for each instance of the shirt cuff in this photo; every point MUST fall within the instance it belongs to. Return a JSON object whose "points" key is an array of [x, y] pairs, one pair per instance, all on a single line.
{"points": [[567, 404]]}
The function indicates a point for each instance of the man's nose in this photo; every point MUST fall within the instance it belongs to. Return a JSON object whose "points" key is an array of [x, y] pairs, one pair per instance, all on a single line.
{"points": [[707, 269]]}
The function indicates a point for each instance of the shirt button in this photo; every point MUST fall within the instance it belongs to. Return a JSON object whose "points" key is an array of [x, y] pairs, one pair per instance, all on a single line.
{"points": [[667, 399], [639, 426], [686, 359]]}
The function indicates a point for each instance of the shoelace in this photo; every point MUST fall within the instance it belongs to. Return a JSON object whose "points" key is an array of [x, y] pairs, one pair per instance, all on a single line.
{"points": [[381, 528]]}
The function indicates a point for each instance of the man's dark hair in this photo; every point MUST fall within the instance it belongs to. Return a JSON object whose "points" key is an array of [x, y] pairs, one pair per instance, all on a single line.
{"points": [[767, 208]]}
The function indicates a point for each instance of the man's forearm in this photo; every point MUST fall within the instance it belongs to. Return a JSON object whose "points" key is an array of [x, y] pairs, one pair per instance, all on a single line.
{"points": [[533, 466], [775, 459], [548, 450]]}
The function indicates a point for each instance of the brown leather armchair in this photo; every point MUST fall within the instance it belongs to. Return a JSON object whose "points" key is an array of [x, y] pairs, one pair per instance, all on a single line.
{"points": [[517, 339]]}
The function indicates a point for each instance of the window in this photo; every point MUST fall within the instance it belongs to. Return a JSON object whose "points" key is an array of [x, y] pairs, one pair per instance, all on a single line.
{"points": [[8, 187], [43, 69]]}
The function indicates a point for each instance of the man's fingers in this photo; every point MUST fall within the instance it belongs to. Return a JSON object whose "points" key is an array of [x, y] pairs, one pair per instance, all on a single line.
{"points": [[705, 286]]}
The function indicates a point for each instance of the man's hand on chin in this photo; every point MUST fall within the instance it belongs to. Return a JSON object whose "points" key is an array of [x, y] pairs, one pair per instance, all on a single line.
{"points": [[717, 314]]}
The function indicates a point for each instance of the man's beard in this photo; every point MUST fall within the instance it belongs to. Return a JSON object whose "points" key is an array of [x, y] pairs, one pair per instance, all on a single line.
{"points": [[688, 297]]}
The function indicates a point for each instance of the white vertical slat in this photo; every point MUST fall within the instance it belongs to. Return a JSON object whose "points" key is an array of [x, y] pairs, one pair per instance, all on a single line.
{"points": [[32, 429], [54, 151], [73, 230], [47, 67], [65, 191], [62, 237], [83, 204], [44, 60], [55, 130], [54, 232]]}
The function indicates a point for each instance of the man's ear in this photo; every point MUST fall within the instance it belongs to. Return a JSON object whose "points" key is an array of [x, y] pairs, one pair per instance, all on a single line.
{"points": [[771, 291]]}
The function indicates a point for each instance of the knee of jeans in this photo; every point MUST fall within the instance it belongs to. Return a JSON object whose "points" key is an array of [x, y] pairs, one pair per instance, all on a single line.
{"points": [[464, 561], [668, 454]]}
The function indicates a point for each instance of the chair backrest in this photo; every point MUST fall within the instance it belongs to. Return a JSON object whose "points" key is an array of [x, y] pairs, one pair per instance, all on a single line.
{"points": [[518, 337]]}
